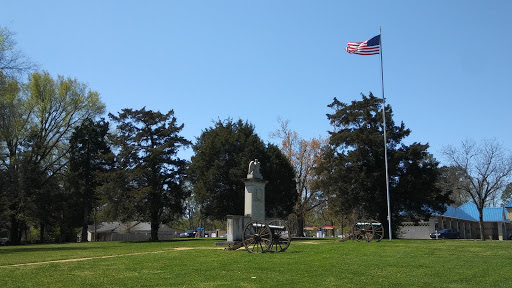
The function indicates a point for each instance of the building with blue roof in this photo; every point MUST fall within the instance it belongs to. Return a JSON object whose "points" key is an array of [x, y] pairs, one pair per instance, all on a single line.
{"points": [[465, 219], [508, 209]]}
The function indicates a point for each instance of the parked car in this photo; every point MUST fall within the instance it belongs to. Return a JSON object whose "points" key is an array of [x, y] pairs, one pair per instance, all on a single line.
{"points": [[445, 234], [188, 234]]}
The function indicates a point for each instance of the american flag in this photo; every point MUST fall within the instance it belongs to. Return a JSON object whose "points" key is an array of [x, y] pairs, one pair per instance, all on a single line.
{"points": [[368, 47]]}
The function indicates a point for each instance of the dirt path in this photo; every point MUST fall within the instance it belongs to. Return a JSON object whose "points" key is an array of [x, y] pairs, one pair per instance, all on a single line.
{"points": [[309, 242], [108, 256], [129, 254]]}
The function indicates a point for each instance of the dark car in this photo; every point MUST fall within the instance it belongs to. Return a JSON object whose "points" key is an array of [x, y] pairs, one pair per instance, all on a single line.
{"points": [[188, 234], [445, 234]]}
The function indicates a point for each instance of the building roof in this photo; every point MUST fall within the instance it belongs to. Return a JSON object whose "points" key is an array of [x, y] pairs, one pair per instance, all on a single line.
{"points": [[495, 214], [454, 212], [128, 227], [105, 227], [509, 205], [469, 212]]}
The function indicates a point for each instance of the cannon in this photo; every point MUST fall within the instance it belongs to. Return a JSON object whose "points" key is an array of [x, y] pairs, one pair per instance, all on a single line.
{"points": [[368, 230], [262, 237]]}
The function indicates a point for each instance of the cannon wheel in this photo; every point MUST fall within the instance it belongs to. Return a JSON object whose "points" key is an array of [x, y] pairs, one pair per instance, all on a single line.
{"points": [[378, 230], [363, 230], [257, 237], [281, 237]]}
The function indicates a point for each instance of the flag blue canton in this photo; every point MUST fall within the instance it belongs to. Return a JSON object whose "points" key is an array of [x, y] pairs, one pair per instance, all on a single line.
{"points": [[375, 41]]}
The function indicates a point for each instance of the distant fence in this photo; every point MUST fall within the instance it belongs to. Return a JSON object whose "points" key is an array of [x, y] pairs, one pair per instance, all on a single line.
{"points": [[414, 230]]}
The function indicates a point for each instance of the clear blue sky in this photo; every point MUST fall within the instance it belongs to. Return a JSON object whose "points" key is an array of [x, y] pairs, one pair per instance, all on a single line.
{"points": [[446, 63]]}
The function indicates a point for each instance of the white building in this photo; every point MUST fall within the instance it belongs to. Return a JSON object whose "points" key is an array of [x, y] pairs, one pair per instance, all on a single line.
{"points": [[130, 231]]}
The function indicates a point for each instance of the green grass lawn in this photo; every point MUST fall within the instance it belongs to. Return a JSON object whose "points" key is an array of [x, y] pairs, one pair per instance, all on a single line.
{"points": [[400, 263]]}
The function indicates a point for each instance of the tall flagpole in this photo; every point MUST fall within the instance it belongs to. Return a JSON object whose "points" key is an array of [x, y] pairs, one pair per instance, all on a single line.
{"points": [[384, 125]]}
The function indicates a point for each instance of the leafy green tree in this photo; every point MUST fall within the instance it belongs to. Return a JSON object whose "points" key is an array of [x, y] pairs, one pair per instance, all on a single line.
{"points": [[280, 195], [506, 196], [148, 143], [13, 63], [116, 200], [88, 153], [58, 105], [13, 117], [35, 128], [353, 168], [222, 155], [451, 180], [48, 206]]}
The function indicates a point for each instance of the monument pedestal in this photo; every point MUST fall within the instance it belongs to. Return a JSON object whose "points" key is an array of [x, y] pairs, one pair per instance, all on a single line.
{"points": [[255, 198], [236, 225], [254, 207]]}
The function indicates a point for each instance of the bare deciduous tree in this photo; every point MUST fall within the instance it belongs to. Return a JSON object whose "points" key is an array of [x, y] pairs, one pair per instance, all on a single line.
{"points": [[304, 156], [487, 168], [12, 61]]}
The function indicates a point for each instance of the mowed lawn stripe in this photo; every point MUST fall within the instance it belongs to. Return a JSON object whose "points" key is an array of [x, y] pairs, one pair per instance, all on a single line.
{"points": [[400, 263], [104, 257]]}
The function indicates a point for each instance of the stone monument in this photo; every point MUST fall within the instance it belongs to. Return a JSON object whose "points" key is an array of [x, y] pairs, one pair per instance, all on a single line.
{"points": [[254, 207], [254, 193]]}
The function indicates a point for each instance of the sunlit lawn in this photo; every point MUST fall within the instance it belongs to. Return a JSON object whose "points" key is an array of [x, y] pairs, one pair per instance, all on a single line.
{"points": [[399, 263]]}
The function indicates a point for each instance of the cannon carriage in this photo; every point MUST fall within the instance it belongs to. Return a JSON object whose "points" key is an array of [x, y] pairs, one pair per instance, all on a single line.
{"points": [[261, 237], [252, 230], [368, 230]]}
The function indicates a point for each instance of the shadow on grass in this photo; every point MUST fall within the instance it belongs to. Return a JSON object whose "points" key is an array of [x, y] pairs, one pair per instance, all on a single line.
{"points": [[314, 239], [41, 248], [176, 240]]}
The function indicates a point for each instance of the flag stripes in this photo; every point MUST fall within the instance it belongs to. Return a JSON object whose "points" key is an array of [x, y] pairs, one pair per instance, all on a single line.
{"points": [[368, 47]]}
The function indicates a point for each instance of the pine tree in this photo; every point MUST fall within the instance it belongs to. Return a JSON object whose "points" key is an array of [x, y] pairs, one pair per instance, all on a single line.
{"points": [[353, 169]]}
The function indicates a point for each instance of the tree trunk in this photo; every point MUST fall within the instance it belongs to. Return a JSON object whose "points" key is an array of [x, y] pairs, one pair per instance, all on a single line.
{"points": [[154, 230], [481, 223], [85, 222], [41, 232], [15, 232], [300, 225], [63, 232], [341, 226]]}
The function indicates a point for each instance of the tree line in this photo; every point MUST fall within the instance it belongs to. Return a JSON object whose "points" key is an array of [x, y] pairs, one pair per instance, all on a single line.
{"points": [[61, 163]]}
